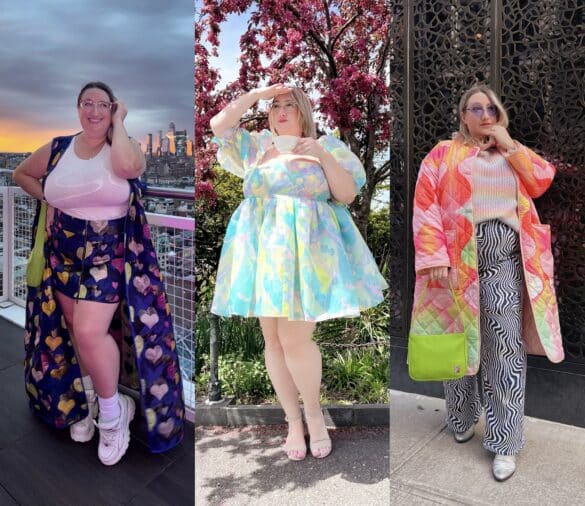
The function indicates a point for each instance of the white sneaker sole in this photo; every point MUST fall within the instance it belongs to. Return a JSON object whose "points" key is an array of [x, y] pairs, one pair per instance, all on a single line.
{"points": [[126, 441]]}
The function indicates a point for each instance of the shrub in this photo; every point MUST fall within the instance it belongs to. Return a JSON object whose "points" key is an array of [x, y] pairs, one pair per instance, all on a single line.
{"points": [[360, 375], [246, 380]]}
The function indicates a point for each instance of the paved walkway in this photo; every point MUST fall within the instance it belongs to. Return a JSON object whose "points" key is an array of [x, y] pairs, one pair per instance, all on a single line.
{"points": [[245, 465], [428, 467]]}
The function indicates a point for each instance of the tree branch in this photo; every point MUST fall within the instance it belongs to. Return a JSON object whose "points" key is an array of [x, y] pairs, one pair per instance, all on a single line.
{"points": [[343, 28], [327, 14], [317, 40], [385, 54], [255, 117]]}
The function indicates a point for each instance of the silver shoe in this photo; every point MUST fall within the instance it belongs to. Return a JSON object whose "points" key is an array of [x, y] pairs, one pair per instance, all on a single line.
{"points": [[503, 466], [463, 437]]}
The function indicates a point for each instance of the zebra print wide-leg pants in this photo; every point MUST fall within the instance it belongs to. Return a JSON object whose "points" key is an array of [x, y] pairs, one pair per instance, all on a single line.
{"points": [[501, 380]]}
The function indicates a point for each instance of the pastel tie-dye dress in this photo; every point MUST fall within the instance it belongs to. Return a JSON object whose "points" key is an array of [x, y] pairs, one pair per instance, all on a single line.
{"points": [[290, 250]]}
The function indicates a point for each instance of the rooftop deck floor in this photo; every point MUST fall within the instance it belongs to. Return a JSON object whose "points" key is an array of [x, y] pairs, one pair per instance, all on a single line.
{"points": [[43, 466]]}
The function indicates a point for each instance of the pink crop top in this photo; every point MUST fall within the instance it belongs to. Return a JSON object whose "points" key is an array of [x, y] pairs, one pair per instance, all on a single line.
{"points": [[87, 189]]}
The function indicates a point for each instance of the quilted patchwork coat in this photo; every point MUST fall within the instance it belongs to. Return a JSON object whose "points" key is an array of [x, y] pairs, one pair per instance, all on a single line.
{"points": [[444, 236]]}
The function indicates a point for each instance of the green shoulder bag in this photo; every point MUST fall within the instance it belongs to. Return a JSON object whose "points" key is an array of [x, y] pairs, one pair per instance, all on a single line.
{"points": [[437, 357], [36, 260]]}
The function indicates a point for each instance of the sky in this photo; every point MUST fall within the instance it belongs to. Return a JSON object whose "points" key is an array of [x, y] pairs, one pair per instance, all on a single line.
{"points": [[49, 49], [227, 60]]}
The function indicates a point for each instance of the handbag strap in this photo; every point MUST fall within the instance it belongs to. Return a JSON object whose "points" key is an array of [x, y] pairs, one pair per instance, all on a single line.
{"points": [[40, 235], [424, 291]]}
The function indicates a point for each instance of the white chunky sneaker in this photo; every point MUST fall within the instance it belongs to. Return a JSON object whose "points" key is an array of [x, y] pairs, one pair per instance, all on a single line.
{"points": [[463, 437], [115, 434], [83, 431], [503, 466]]}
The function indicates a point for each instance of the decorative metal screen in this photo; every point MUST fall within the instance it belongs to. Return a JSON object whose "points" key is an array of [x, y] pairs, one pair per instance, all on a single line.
{"points": [[398, 180], [543, 72], [533, 53]]}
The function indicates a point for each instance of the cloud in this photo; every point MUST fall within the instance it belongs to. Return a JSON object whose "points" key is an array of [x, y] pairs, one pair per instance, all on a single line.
{"points": [[142, 49]]}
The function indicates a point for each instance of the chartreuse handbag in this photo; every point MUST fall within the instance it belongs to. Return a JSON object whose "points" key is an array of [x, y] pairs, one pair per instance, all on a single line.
{"points": [[437, 357], [36, 260]]}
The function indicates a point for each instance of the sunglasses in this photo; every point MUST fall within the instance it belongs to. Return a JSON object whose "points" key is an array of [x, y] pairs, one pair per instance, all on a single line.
{"points": [[478, 110]]}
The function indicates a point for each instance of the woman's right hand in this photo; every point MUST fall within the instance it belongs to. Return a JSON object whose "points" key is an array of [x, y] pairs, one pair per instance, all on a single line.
{"points": [[272, 91], [436, 273], [229, 116], [49, 219]]}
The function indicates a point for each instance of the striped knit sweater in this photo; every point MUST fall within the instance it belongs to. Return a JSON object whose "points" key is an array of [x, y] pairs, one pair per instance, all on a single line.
{"points": [[494, 189]]}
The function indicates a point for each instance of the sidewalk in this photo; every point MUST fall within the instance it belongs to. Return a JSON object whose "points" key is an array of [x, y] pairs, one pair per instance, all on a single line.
{"points": [[428, 467], [246, 465]]}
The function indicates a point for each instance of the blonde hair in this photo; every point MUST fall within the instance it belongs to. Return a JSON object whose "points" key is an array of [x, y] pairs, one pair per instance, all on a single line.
{"points": [[307, 123], [502, 115]]}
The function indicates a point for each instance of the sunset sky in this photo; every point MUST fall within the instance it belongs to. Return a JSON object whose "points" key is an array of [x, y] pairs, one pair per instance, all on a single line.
{"points": [[48, 50]]}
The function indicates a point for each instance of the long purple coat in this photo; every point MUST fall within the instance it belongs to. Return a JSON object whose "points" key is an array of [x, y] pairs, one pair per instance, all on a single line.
{"points": [[142, 328]]}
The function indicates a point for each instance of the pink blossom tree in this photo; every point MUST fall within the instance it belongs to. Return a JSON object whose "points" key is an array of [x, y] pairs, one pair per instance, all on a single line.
{"points": [[336, 49]]}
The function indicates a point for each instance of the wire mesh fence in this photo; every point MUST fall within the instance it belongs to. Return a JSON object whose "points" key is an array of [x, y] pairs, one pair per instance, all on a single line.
{"points": [[3, 280], [23, 209]]}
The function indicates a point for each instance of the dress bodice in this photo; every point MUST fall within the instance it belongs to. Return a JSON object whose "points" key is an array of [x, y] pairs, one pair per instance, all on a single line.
{"points": [[242, 153], [292, 176]]}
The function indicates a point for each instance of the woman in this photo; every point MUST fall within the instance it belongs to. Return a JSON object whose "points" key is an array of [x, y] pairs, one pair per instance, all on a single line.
{"points": [[292, 255], [476, 225], [100, 294]]}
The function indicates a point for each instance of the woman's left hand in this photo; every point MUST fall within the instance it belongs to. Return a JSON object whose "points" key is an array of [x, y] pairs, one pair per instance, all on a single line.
{"points": [[502, 138], [309, 146], [119, 111]]}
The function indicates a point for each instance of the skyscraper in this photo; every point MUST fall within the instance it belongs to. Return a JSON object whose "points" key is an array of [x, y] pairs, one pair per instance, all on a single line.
{"points": [[181, 143], [160, 143], [171, 133], [149, 146]]}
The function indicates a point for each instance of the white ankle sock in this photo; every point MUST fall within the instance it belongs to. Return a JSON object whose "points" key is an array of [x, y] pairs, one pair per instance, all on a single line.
{"points": [[86, 382], [109, 408]]}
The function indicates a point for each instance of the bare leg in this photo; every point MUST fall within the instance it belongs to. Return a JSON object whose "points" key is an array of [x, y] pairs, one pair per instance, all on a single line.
{"points": [[83, 430], [67, 304], [303, 359], [99, 352], [285, 388]]}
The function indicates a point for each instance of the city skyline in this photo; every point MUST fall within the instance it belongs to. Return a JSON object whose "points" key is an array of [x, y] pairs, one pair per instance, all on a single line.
{"points": [[49, 53], [175, 141]]}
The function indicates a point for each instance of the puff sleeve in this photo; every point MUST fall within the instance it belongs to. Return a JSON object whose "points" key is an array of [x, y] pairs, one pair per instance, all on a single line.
{"points": [[346, 158], [238, 149]]}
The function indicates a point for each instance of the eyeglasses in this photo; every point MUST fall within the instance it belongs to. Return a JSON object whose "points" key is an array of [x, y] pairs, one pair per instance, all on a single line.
{"points": [[286, 106], [478, 110], [88, 105]]}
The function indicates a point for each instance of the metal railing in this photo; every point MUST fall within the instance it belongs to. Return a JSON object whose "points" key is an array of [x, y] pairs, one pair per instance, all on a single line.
{"points": [[172, 236]]}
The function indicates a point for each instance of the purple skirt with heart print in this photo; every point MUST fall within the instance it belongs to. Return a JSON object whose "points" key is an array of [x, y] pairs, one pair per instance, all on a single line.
{"points": [[87, 258]]}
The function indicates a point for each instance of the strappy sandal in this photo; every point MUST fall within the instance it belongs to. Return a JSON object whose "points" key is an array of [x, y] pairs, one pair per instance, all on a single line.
{"points": [[321, 447], [295, 452]]}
